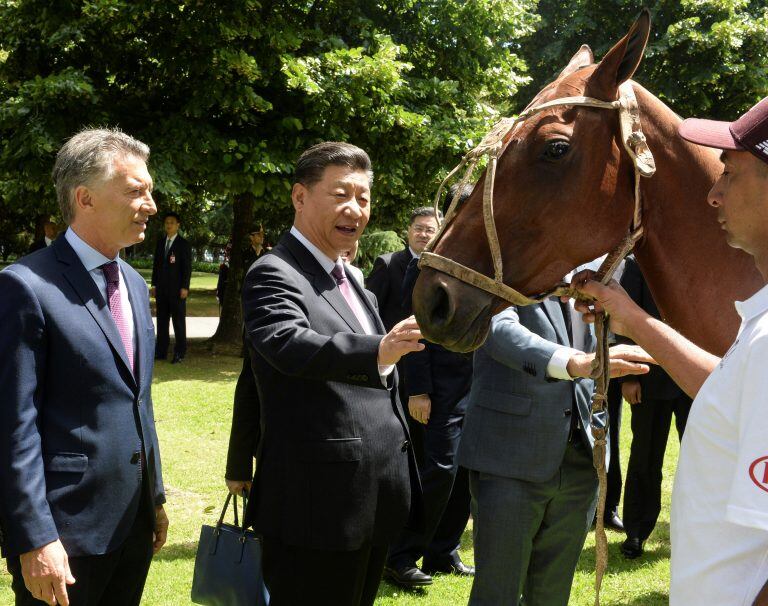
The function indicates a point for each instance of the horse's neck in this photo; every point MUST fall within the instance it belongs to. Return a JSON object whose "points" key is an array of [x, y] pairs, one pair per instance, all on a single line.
{"points": [[692, 272]]}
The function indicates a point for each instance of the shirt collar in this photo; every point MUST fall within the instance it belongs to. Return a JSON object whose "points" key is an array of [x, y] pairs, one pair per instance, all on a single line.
{"points": [[172, 238], [414, 254], [325, 261], [89, 256], [756, 305], [48, 241]]}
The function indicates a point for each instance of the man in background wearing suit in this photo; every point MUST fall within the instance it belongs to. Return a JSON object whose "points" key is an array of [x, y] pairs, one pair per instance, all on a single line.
{"points": [[654, 397], [171, 272], [81, 492], [437, 381], [49, 234], [336, 477], [527, 444]]}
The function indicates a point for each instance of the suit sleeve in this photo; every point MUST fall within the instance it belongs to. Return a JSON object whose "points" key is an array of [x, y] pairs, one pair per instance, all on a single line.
{"points": [[246, 418], [186, 265], [417, 368], [24, 511], [632, 282], [513, 345], [156, 260], [378, 281], [278, 328]]}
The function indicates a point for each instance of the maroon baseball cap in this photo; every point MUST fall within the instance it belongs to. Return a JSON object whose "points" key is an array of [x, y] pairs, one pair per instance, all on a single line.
{"points": [[748, 133]]}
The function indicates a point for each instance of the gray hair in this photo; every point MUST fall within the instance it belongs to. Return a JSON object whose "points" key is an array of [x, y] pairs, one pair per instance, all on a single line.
{"points": [[87, 158]]}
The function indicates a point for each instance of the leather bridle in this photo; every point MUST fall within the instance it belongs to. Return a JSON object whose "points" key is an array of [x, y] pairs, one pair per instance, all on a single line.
{"points": [[492, 146]]}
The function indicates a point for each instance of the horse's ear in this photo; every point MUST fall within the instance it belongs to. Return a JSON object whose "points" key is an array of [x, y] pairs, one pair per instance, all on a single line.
{"points": [[622, 60], [582, 58]]}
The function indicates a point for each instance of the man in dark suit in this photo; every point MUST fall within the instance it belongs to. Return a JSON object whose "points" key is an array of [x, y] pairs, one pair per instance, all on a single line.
{"points": [[81, 491], [437, 381], [336, 477], [654, 397], [171, 272], [49, 234]]}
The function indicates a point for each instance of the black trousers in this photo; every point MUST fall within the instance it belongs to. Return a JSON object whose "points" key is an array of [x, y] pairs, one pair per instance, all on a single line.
{"points": [[298, 576], [613, 489], [171, 309], [112, 579], [446, 502], [651, 420]]}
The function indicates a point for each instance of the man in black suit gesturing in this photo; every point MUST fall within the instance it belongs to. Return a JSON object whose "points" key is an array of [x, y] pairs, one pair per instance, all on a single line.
{"points": [[171, 272], [336, 478]]}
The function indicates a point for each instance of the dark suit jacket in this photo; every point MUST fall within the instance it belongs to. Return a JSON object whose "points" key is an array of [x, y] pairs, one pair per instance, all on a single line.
{"points": [[335, 469], [73, 417], [657, 384], [169, 278], [445, 375], [246, 424], [386, 282]]}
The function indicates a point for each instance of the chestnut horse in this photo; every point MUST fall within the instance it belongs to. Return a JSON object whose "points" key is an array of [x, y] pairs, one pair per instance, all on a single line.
{"points": [[564, 195]]}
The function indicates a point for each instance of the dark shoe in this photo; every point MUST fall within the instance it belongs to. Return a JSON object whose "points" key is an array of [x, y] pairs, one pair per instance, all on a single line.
{"points": [[459, 569], [632, 548], [176, 359], [613, 521], [409, 577]]}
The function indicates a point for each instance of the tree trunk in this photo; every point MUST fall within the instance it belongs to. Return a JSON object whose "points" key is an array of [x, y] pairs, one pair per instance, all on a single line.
{"points": [[228, 338]]}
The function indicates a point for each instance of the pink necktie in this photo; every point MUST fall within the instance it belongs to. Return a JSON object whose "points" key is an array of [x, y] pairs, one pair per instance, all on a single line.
{"points": [[112, 275], [346, 290]]}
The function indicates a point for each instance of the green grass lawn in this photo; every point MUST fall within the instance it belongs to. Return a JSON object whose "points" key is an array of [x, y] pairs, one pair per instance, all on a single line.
{"points": [[193, 407], [202, 301]]}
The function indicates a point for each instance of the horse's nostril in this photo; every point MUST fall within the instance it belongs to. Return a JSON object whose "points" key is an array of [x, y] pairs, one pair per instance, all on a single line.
{"points": [[441, 308]]}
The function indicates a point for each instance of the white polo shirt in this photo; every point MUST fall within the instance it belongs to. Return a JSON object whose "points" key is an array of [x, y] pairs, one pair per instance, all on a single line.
{"points": [[719, 519]]}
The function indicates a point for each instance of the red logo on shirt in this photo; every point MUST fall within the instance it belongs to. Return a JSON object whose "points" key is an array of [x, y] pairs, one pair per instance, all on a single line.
{"points": [[758, 471]]}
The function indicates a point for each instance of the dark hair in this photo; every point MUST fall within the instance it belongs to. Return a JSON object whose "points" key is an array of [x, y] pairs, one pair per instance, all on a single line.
{"points": [[453, 191], [424, 211], [172, 214], [314, 161]]}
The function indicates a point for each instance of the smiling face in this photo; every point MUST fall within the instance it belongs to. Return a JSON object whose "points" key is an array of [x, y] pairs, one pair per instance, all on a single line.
{"points": [[740, 196], [112, 213], [333, 212]]}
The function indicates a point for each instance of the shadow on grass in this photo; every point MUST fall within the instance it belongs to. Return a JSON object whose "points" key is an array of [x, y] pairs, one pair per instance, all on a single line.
{"points": [[618, 563], [177, 551], [389, 590], [654, 598], [199, 365]]}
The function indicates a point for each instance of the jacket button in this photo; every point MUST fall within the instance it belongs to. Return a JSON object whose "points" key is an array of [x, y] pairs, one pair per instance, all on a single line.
{"points": [[406, 445], [135, 457], [567, 412]]}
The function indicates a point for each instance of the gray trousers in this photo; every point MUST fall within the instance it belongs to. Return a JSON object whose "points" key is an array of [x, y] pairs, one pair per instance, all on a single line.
{"points": [[529, 535]]}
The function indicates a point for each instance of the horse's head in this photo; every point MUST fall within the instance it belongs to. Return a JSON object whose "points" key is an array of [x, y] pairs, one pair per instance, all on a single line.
{"points": [[563, 196]]}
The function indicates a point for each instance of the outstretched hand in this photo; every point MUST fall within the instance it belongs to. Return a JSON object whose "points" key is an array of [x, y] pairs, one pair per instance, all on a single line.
{"points": [[623, 360], [402, 339]]}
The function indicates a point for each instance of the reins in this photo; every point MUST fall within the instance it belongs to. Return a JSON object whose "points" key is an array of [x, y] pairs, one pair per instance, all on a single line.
{"points": [[492, 146]]}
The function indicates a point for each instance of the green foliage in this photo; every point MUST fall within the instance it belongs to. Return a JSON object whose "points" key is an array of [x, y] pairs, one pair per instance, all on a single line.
{"points": [[376, 243], [227, 94], [704, 57]]}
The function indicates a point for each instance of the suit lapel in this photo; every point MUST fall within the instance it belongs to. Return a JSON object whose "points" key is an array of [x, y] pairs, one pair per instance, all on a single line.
{"points": [[555, 314], [93, 301], [323, 282]]}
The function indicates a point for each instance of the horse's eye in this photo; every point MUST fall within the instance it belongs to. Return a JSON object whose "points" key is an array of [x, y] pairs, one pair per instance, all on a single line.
{"points": [[555, 150]]}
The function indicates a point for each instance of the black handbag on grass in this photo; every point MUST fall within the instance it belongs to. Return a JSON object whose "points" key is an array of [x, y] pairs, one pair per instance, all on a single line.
{"points": [[228, 564]]}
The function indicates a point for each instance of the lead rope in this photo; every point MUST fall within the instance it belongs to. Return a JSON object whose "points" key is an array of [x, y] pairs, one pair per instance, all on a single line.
{"points": [[492, 145]]}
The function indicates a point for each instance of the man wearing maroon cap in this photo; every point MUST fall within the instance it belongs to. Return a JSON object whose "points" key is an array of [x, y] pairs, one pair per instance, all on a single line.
{"points": [[719, 518]]}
